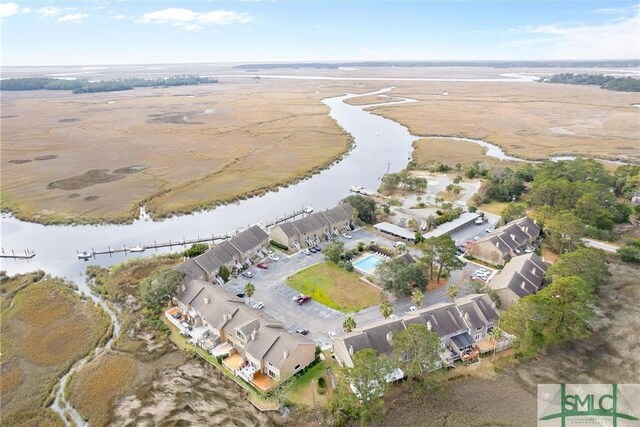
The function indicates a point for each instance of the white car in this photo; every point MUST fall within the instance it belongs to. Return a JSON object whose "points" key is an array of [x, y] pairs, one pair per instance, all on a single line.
{"points": [[247, 274], [490, 230], [273, 258], [413, 308], [348, 236], [258, 305], [476, 238]]}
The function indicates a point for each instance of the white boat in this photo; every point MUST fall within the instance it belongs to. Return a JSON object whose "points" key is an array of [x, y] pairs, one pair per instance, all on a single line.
{"points": [[84, 255], [136, 249], [308, 210]]}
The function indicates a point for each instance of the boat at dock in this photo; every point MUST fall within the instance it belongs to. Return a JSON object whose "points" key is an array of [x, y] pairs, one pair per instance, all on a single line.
{"points": [[85, 255], [136, 249]]}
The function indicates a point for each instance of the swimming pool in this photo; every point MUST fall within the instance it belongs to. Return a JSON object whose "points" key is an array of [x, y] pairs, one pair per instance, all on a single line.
{"points": [[367, 264]]}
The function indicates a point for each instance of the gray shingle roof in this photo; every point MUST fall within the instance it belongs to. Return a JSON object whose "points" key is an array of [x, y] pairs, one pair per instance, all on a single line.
{"points": [[249, 239], [310, 224], [340, 213], [527, 268], [288, 229]]}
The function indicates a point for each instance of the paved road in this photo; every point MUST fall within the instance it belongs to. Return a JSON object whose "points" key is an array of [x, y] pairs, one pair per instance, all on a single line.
{"points": [[608, 247]]}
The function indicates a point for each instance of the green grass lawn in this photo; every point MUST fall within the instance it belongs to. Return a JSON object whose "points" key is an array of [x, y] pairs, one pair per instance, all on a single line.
{"points": [[335, 287]]}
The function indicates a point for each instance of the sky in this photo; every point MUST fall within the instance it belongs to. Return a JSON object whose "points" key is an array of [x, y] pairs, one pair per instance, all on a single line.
{"points": [[85, 32]]}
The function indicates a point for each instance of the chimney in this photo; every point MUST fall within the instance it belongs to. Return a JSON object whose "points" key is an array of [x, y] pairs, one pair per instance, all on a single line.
{"points": [[184, 287], [497, 244], [493, 305], [350, 350], [206, 300], [513, 237], [522, 286], [253, 335], [533, 271], [285, 353], [229, 316], [526, 229], [390, 336], [466, 316], [429, 327], [224, 317]]}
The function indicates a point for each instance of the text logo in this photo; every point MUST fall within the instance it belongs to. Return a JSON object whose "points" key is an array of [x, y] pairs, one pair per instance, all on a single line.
{"points": [[588, 404]]}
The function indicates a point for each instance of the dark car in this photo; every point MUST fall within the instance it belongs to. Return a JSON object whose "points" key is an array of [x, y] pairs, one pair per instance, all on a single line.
{"points": [[301, 331], [177, 316], [313, 249], [303, 299], [240, 295]]}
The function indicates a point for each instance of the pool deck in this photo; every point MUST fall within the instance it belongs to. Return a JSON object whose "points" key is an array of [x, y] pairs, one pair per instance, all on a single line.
{"points": [[368, 255]]}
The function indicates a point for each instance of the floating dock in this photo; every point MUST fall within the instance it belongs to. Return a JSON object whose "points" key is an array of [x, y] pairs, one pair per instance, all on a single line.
{"points": [[86, 255], [26, 255]]}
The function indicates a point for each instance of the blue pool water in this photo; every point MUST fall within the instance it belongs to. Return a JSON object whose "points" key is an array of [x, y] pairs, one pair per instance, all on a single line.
{"points": [[368, 264]]}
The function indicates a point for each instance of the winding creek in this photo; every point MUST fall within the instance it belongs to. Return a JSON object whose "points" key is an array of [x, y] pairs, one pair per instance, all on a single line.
{"points": [[381, 145]]}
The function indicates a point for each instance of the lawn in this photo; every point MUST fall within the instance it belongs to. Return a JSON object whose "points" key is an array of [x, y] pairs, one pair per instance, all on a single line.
{"points": [[335, 287]]}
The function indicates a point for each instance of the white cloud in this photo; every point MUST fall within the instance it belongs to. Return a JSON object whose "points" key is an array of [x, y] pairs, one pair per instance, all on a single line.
{"points": [[119, 17], [614, 39], [50, 11], [73, 17], [8, 9], [194, 21]]}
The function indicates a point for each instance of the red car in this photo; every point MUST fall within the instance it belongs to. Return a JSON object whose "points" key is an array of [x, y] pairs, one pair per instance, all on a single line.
{"points": [[303, 299], [262, 266]]}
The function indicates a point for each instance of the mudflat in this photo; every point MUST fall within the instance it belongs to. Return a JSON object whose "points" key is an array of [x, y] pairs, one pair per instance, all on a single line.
{"points": [[97, 157]]}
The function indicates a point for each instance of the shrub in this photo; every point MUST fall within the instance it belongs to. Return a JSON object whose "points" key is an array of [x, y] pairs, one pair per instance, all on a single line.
{"points": [[279, 245], [322, 382], [348, 266], [196, 249]]}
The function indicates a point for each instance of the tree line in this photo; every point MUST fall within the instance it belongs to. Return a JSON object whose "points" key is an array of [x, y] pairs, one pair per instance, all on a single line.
{"points": [[620, 84], [85, 86]]}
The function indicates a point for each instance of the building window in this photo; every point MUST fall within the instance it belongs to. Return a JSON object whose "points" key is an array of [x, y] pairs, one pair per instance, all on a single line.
{"points": [[272, 374], [479, 329], [240, 335], [296, 367], [489, 329], [477, 337]]}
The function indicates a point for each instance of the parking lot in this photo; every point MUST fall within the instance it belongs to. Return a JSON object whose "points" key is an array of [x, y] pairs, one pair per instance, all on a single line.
{"points": [[319, 320]]}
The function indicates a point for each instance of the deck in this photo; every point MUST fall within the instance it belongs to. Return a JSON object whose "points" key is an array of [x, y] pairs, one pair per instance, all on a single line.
{"points": [[233, 362], [263, 382]]}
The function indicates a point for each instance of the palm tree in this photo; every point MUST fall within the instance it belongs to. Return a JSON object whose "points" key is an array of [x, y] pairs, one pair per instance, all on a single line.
{"points": [[496, 335], [249, 290], [386, 309], [349, 324], [417, 297], [452, 291]]}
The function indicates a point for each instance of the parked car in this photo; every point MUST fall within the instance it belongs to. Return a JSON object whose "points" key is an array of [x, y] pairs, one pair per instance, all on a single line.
{"points": [[476, 238], [303, 299], [301, 331], [176, 315], [273, 257], [490, 230], [348, 236], [262, 265], [479, 221], [247, 274], [413, 308], [258, 305], [240, 295], [296, 298], [469, 242], [306, 252]]}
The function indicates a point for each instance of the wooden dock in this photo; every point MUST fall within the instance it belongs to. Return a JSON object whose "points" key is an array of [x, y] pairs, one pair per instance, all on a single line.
{"points": [[26, 255], [186, 242]]}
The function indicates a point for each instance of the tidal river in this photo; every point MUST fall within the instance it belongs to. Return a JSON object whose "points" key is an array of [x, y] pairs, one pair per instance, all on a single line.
{"points": [[381, 145]]}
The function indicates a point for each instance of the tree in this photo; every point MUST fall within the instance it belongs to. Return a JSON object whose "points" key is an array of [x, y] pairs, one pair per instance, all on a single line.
{"points": [[360, 246], [412, 224], [630, 252], [587, 263], [418, 350], [513, 211], [365, 207], [452, 292], [344, 405], [333, 251], [158, 289], [224, 273], [396, 276], [564, 231], [496, 336], [368, 377], [249, 290], [445, 255], [349, 324], [386, 309], [196, 249], [417, 297]]}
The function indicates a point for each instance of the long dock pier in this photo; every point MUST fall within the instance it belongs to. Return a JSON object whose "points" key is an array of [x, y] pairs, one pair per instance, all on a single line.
{"points": [[85, 255], [26, 255]]}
